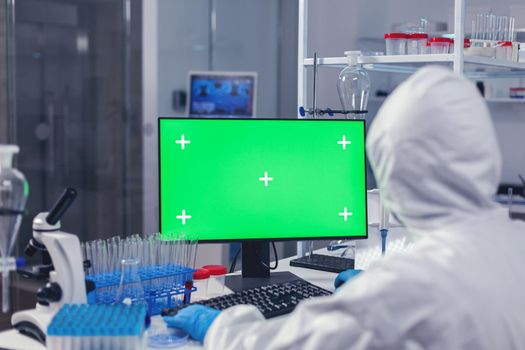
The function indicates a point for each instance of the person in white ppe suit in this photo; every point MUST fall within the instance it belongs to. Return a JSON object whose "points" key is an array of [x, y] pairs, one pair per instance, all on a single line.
{"points": [[436, 159]]}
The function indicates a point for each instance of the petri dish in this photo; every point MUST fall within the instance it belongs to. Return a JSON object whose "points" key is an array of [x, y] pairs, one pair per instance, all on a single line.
{"points": [[167, 338]]}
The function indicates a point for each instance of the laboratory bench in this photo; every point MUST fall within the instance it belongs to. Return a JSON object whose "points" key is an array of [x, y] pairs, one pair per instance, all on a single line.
{"points": [[12, 340]]}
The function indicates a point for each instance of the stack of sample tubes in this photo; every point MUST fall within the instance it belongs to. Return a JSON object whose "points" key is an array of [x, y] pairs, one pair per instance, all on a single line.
{"points": [[97, 327], [495, 28]]}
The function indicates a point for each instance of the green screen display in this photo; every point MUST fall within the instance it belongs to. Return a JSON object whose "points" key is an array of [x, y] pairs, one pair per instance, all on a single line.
{"points": [[231, 179]]}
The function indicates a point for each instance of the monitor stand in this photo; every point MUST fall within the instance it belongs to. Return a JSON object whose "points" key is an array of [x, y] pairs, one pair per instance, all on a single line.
{"points": [[255, 255]]}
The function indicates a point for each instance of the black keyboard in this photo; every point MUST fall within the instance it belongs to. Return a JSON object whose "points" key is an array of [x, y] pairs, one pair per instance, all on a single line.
{"points": [[324, 263], [271, 300]]}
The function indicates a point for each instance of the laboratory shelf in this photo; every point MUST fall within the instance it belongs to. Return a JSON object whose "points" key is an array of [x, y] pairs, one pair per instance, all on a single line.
{"points": [[505, 100], [396, 59], [475, 67]]}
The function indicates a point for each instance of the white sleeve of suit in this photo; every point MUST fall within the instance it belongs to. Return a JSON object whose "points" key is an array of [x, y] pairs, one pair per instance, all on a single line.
{"points": [[244, 327], [361, 315]]}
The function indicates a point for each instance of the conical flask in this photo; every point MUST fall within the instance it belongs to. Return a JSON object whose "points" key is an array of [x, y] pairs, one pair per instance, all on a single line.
{"points": [[353, 86], [13, 195], [130, 289]]}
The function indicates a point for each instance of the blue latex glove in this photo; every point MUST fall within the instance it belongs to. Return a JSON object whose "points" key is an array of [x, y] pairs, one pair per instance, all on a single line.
{"points": [[194, 319], [345, 276]]}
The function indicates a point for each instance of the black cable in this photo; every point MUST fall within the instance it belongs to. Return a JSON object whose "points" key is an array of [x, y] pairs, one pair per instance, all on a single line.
{"points": [[276, 258], [236, 257], [234, 262]]}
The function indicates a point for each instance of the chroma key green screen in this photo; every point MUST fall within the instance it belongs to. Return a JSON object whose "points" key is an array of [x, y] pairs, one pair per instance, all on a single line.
{"points": [[232, 179]]}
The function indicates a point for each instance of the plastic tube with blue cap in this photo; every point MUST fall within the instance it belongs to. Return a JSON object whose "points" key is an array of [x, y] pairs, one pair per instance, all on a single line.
{"points": [[383, 224]]}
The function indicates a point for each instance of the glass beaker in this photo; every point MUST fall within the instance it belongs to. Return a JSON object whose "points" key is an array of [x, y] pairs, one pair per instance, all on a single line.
{"points": [[354, 87], [13, 194]]}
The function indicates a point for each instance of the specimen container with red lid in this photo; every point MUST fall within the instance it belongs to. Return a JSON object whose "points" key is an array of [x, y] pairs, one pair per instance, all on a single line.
{"points": [[466, 44], [217, 279], [440, 45], [396, 43], [201, 279], [417, 44], [504, 50]]}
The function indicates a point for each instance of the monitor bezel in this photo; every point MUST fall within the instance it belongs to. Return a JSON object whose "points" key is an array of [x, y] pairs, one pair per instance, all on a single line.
{"points": [[232, 74], [265, 239]]}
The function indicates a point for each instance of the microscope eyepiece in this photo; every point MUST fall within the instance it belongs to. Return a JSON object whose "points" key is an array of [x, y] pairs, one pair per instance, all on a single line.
{"points": [[61, 206]]}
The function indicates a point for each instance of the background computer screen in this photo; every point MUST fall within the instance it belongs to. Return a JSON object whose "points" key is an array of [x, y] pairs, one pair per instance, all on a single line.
{"points": [[222, 94], [231, 179]]}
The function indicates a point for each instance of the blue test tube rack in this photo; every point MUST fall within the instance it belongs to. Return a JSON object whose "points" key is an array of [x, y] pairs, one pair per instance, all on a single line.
{"points": [[164, 286]]}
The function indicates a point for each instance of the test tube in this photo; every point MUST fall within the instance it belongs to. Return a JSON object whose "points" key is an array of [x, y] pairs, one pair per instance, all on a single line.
{"points": [[488, 26], [483, 27], [504, 28], [195, 242], [96, 260], [510, 198], [476, 30], [492, 26], [512, 21], [499, 33], [488, 34]]}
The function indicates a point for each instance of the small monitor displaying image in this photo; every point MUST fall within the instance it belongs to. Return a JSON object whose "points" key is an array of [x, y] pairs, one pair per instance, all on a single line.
{"points": [[222, 94]]}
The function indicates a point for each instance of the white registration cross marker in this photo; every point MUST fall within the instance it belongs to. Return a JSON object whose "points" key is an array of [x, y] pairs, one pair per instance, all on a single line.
{"points": [[345, 213], [343, 142], [183, 217], [266, 179], [183, 142]]}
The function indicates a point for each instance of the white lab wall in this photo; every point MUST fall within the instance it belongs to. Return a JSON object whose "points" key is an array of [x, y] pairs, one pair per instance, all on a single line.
{"points": [[247, 40], [175, 41], [183, 44], [336, 26], [150, 78], [509, 122]]}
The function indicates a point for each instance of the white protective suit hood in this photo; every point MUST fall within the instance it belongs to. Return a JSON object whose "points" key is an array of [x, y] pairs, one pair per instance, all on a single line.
{"points": [[454, 164]]}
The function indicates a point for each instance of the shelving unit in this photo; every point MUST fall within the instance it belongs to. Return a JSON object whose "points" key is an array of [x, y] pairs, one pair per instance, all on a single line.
{"points": [[375, 99], [471, 66], [505, 100], [474, 67]]}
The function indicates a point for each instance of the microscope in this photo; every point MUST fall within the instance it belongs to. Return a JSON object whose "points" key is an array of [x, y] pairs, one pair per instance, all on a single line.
{"points": [[62, 267]]}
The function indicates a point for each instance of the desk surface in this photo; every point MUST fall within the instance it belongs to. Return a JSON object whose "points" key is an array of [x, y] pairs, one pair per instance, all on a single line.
{"points": [[12, 340]]}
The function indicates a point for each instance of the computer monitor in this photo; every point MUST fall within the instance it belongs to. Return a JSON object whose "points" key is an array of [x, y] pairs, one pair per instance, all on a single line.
{"points": [[260, 180], [222, 94]]}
